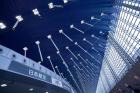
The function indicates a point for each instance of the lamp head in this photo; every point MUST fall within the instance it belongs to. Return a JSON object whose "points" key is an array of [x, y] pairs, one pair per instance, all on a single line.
{"points": [[37, 42], [72, 26], [60, 31], [51, 5], [2, 25], [19, 18], [48, 57], [49, 36]]}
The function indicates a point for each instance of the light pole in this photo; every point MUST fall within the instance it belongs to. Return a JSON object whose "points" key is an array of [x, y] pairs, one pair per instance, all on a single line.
{"points": [[19, 19], [49, 58], [77, 29], [38, 46], [25, 51], [58, 71], [67, 48], [62, 32]]}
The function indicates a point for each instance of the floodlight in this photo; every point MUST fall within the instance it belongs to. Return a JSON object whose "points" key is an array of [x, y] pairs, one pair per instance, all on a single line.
{"points": [[65, 1], [82, 21], [51, 5], [84, 39], [61, 31], [36, 12], [49, 36], [3, 85], [71, 26], [25, 48], [37, 42], [19, 18], [92, 17], [2, 25]]}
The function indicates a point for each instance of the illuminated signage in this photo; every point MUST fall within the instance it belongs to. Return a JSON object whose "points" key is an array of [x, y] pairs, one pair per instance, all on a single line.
{"points": [[37, 74]]}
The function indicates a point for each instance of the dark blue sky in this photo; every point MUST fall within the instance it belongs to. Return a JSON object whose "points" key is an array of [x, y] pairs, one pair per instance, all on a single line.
{"points": [[34, 28]]}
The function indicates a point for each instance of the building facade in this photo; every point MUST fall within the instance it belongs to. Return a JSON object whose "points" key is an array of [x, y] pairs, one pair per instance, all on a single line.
{"points": [[123, 47]]}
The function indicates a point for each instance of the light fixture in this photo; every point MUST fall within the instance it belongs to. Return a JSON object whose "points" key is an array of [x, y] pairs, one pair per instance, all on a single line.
{"points": [[48, 57], [92, 35], [19, 19], [71, 52], [86, 23], [92, 18], [82, 22], [3, 85], [46, 92], [25, 51], [49, 36], [67, 47], [37, 42], [36, 12], [65, 1], [75, 43], [31, 89], [60, 31], [102, 14], [72, 26], [56, 67], [25, 48], [101, 32], [39, 62], [40, 53], [84, 39], [51, 6], [2, 25]]}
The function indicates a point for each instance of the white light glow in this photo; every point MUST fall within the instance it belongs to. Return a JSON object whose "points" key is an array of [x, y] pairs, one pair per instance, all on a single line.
{"points": [[61, 31], [49, 36], [102, 14], [39, 62], [36, 12], [82, 22], [71, 26], [65, 1], [37, 42], [31, 89], [25, 48], [48, 57], [67, 47], [19, 18], [2, 25], [92, 18], [51, 5], [84, 39], [56, 67], [3, 85]]}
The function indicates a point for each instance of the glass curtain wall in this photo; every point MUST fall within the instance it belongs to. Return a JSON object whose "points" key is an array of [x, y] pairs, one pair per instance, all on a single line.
{"points": [[126, 34]]}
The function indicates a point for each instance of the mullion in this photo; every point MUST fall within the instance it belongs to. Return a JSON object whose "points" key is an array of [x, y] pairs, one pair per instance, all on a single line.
{"points": [[136, 44], [132, 35], [124, 38], [123, 30], [124, 18], [119, 23], [128, 16], [133, 40], [113, 57]]}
